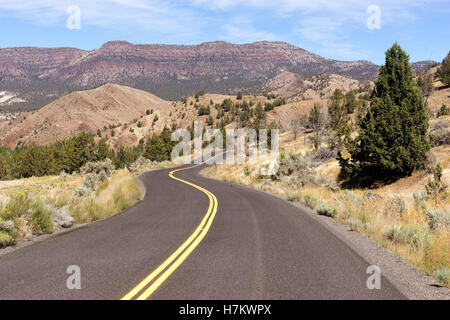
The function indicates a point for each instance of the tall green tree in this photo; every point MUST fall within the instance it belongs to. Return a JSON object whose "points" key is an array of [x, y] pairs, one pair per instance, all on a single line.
{"points": [[443, 71], [156, 149], [392, 140], [316, 122], [338, 124]]}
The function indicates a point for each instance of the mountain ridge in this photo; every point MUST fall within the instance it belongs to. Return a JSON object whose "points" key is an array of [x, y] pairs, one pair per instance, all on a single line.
{"points": [[36, 76]]}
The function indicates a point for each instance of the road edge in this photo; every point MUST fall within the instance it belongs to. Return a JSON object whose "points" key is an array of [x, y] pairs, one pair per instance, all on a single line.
{"points": [[410, 281]]}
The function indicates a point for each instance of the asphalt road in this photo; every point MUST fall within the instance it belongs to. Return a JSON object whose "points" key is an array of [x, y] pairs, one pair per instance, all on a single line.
{"points": [[257, 247]]}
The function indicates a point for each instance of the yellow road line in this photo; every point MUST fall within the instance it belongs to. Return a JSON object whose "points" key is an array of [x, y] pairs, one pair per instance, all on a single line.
{"points": [[183, 251]]}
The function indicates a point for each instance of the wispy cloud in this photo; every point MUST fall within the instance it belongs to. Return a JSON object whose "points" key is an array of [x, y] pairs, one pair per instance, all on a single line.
{"points": [[160, 16]]}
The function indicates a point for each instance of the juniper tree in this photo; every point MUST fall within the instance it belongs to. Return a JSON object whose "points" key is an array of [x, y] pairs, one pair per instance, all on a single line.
{"points": [[338, 119], [392, 140], [316, 122], [444, 70]]}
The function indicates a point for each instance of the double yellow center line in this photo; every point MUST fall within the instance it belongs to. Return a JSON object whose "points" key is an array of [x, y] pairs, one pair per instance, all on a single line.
{"points": [[152, 282]]}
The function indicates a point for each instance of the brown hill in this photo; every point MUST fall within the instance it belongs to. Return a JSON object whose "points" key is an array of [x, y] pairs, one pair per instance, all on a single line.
{"points": [[87, 111]]}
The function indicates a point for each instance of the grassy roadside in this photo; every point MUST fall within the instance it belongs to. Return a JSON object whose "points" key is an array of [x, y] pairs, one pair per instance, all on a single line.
{"points": [[400, 217], [36, 206], [42, 205]]}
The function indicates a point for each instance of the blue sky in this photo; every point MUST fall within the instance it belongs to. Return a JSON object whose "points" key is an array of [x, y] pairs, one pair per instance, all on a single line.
{"points": [[334, 29]]}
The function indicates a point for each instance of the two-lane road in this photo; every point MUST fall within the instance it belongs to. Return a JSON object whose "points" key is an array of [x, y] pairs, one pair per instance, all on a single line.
{"points": [[199, 240]]}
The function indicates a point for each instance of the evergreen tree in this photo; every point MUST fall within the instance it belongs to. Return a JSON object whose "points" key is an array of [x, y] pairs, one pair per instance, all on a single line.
{"points": [[393, 139], [155, 149], [350, 102], [338, 110], [444, 70], [316, 122]]}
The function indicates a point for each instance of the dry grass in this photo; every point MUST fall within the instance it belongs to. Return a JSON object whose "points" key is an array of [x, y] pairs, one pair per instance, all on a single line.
{"points": [[389, 215], [114, 195]]}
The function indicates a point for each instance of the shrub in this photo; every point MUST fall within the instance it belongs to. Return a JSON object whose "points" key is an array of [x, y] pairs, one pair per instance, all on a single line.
{"points": [[98, 167], [294, 169], [441, 132], [326, 210], [41, 218], [438, 218], [7, 225], [355, 224], [443, 111], [5, 239], [309, 201], [413, 234], [91, 180], [292, 196], [61, 217], [16, 206], [442, 276], [420, 200], [94, 172], [81, 192], [398, 205], [140, 164], [437, 185]]}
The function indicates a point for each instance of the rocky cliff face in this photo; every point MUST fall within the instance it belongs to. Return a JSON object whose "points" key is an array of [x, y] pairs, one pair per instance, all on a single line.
{"points": [[40, 75]]}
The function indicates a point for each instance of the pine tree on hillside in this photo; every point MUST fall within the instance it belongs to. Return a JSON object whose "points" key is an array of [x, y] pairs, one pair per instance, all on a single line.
{"points": [[393, 139], [156, 149], [444, 70], [338, 120]]}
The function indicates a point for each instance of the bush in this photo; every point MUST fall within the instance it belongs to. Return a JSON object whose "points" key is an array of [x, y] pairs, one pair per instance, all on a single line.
{"points": [[61, 217], [326, 210], [91, 180], [98, 167], [355, 224], [94, 172], [420, 200], [16, 206], [81, 192], [293, 196], [41, 218], [438, 218], [309, 201], [294, 169], [7, 225], [441, 132], [437, 185], [413, 234], [5, 239], [141, 163], [442, 276], [443, 111]]}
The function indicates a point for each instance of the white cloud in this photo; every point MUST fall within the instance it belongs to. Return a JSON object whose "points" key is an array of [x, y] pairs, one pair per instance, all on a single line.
{"points": [[158, 16]]}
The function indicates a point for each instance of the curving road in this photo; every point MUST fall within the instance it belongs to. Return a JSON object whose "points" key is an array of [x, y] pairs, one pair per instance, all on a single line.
{"points": [[253, 246]]}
